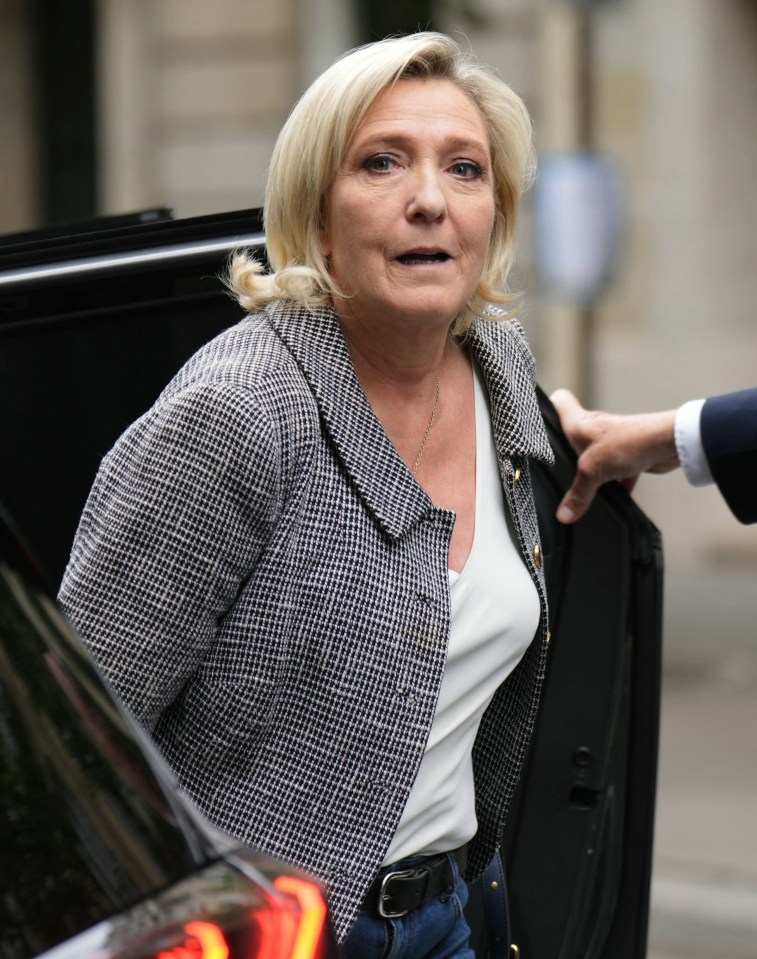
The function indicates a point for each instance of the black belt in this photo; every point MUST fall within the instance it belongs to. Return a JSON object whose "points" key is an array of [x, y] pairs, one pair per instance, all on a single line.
{"points": [[397, 891]]}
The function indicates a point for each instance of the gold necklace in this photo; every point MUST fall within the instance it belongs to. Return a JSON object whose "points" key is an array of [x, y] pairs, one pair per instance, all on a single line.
{"points": [[428, 429]]}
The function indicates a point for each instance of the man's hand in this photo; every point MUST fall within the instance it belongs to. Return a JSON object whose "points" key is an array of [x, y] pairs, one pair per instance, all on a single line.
{"points": [[611, 447]]}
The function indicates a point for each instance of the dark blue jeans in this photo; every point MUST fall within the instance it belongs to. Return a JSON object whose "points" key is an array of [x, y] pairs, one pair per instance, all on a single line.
{"points": [[435, 930]]}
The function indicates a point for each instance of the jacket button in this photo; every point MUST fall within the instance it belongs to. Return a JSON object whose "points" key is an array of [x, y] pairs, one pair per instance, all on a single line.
{"points": [[537, 556], [516, 479]]}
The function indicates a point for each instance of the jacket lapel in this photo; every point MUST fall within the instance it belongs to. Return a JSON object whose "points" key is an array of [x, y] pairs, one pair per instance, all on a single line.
{"points": [[387, 487], [508, 369]]}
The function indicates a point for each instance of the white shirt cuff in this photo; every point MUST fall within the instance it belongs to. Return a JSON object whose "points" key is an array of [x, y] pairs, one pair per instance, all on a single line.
{"points": [[688, 440]]}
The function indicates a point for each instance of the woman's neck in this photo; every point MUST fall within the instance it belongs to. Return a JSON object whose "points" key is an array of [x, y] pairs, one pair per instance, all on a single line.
{"points": [[403, 359]]}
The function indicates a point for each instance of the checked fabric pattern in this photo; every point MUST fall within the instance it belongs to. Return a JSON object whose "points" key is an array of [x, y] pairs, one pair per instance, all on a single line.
{"points": [[264, 585]]}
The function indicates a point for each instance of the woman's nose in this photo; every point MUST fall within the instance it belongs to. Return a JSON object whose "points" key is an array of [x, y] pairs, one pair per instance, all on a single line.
{"points": [[427, 200]]}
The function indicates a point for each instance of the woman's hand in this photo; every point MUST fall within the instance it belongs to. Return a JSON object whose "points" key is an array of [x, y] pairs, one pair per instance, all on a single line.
{"points": [[611, 447]]}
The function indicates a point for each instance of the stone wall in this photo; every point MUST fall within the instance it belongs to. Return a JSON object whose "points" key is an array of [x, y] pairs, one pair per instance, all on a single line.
{"points": [[18, 199], [192, 96]]}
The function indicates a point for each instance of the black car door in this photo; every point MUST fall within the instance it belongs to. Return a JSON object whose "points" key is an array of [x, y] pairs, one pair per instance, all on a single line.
{"points": [[93, 325]]}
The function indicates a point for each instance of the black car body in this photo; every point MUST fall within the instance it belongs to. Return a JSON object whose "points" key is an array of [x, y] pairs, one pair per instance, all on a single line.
{"points": [[95, 321], [101, 857]]}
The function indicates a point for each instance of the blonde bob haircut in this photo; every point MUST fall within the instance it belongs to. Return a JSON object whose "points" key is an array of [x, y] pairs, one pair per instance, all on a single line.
{"points": [[314, 141]]}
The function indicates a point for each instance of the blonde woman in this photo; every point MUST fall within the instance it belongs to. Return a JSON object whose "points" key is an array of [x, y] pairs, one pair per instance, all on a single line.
{"points": [[312, 570]]}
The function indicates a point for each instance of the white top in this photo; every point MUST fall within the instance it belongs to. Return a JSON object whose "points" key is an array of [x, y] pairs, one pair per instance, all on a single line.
{"points": [[495, 613], [688, 440]]}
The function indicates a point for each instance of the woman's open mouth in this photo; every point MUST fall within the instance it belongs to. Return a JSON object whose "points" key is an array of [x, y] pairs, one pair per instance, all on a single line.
{"points": [[414, 258]]}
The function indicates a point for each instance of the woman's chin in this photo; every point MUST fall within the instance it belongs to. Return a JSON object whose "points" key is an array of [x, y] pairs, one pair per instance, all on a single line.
{"points": [[425, 308], [436, 310]]}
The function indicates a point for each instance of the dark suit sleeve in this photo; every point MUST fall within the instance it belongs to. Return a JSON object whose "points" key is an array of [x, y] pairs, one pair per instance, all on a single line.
{"points": [[729, 438]]}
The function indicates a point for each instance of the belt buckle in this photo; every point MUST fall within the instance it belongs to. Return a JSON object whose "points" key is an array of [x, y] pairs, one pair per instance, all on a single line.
{"points": [[383, 895]]}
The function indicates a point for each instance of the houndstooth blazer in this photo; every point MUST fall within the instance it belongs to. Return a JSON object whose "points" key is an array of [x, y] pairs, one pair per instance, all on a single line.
{"points": [[264, 584]]}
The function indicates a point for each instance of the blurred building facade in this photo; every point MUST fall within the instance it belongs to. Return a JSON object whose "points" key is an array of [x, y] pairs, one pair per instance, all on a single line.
{"points": [[187, 98]]}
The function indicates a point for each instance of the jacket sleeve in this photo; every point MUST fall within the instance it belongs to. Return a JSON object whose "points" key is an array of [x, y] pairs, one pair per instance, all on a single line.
{"points": [[176, 519], [729, 438]]}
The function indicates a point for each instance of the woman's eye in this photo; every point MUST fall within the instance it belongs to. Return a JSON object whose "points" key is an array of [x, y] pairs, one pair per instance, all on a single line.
{"points": [[380, 163], [467, 170]]}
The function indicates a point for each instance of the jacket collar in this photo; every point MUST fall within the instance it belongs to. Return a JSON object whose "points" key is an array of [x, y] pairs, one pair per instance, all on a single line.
{"points": [[509, 373], [395, 499]]}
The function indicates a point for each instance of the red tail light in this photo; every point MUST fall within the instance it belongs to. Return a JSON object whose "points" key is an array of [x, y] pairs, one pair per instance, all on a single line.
{"points": [[309, 932], [204, 940], [221, 913]]}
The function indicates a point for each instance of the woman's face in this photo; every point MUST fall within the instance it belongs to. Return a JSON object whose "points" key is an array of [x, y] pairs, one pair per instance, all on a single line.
{"points": [[411, 210]]}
